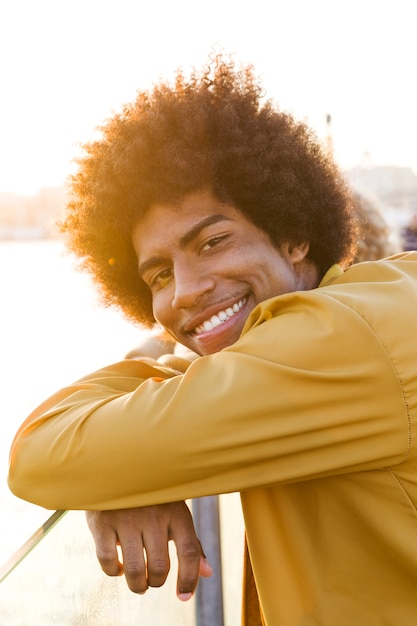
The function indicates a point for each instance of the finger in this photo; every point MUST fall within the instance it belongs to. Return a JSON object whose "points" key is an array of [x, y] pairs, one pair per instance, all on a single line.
{"points": [[205, 568], [105, 540], [134, 565], [189, 558], [157, 557]]}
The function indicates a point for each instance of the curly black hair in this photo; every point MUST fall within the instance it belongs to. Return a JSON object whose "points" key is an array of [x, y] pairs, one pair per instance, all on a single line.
{"points": [[210, 131]]}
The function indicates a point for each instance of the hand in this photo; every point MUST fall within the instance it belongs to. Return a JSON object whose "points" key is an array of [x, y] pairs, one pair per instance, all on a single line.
{"points": [[148, 530]]}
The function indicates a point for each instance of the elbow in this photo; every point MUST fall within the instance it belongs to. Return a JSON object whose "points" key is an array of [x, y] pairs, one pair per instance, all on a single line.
{"points": [[27, 480], [23, 485]]}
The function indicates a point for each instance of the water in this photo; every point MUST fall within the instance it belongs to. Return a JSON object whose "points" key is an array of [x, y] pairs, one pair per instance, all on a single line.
{"points": [[53, 330]]}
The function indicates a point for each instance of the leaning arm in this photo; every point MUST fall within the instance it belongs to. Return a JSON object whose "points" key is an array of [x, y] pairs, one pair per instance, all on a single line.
{"points": [[255, 414]]}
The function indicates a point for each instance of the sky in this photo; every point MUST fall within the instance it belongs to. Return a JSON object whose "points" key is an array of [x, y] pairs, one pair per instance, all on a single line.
{"points": [[67, 65]]}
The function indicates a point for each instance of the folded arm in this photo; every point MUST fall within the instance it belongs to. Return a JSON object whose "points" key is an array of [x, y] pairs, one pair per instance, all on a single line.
{"points": [[256, 414]]}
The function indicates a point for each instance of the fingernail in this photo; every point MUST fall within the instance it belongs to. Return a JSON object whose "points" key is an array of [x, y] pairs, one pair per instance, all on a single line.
{"points": [[184, 596]]}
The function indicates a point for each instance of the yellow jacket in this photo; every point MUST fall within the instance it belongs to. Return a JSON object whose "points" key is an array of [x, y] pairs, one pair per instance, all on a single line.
{"points": [[311, 415]]}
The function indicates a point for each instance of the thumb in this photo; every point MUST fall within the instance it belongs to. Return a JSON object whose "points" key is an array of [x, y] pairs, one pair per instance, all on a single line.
{"points": [[205, 569]]}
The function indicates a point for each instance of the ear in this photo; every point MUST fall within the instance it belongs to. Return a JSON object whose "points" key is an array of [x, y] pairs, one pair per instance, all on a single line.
{"points": [[296, 252]]}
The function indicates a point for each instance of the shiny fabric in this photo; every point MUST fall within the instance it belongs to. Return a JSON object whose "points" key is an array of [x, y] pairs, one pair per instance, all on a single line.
{"points": [[311, 415]]}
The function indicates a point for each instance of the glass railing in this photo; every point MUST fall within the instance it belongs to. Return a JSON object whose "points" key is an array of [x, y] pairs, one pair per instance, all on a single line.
{"points": [[59, 582]]}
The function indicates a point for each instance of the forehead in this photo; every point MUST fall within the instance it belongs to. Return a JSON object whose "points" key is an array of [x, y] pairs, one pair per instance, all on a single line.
{"points": [[176, 224]]}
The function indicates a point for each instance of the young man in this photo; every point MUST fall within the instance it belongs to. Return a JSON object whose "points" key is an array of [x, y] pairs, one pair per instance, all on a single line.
{"points": [[220, 218]]}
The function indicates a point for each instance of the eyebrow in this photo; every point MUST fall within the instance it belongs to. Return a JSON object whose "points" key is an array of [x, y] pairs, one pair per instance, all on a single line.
{"points": [[186, 239], [197, 228]]}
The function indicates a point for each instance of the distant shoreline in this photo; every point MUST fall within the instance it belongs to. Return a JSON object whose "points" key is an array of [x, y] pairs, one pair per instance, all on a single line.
{"points": [[22, 233]]}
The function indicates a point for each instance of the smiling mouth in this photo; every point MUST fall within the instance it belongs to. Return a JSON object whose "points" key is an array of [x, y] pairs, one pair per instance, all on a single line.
{"points": [[219, 318]]}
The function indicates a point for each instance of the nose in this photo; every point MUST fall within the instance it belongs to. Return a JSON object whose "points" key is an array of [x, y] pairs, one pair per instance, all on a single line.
{"points": [[190, 285]]}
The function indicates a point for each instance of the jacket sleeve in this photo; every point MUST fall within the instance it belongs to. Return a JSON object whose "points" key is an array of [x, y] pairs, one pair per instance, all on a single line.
{"points": [[285, 403]]}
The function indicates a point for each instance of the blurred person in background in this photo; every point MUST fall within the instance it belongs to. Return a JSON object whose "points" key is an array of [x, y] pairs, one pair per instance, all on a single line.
{"points": [[409, 234], [376, 239]]}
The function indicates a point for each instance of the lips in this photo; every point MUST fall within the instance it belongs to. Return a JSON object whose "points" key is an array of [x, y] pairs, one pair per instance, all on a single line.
{"points": [[219, 318]]}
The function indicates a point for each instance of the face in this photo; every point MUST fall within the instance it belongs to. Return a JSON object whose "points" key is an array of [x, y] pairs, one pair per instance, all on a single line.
{"points": [[208, 266]]}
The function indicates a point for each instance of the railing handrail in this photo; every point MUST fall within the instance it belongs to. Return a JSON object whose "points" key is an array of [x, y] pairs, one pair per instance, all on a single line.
{"points": [[209, 597], [28, 546]]}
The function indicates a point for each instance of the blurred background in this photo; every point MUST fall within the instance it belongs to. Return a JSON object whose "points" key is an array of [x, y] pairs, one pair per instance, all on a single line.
{"points": [[347, 68]]}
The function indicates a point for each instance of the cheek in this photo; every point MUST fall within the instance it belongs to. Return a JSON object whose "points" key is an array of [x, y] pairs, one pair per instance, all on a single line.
{"points": [[161, 309]]}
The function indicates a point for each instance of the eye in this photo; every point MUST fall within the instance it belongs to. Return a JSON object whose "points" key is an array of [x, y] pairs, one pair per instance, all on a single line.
{"points": [[212, 242], [160, 279]]}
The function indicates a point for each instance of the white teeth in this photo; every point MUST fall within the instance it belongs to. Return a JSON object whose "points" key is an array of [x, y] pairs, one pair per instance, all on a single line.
{"points": [[219, 318], [215, 320]]}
